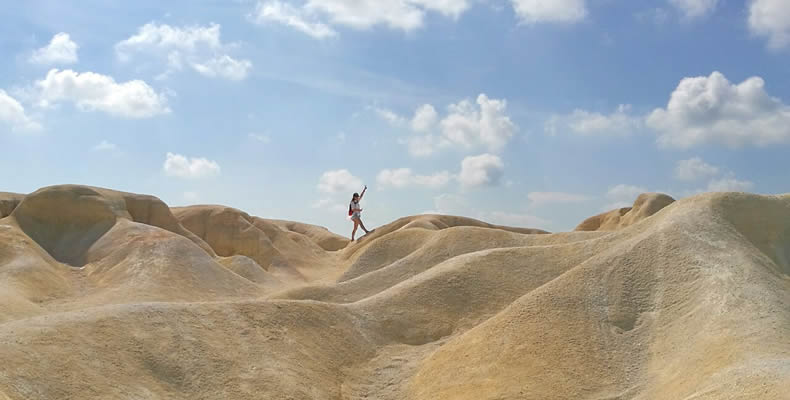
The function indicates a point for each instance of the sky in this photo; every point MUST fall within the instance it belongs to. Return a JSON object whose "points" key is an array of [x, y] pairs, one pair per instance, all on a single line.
{"points": [[533, 113]]}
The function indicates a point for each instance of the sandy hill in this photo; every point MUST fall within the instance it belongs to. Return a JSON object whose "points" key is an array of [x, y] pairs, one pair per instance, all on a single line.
{"points": [[111, 295], [645, 205]]}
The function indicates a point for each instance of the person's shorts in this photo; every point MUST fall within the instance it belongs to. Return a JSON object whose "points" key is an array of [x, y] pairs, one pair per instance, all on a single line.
{"points": [[355, 217]]}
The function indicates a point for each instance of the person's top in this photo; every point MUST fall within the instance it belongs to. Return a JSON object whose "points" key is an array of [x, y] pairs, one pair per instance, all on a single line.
{"points": [[356, 208]]}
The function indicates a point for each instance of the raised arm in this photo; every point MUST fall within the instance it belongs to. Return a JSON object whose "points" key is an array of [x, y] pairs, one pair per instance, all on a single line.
{"points": [[363, 192]]}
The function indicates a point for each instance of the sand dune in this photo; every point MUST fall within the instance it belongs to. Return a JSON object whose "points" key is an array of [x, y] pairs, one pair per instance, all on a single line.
{"points": [[105, 294], [645, 205]]}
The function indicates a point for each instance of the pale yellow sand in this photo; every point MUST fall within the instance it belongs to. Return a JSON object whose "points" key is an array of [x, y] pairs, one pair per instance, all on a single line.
{"points": [[110, 295]]}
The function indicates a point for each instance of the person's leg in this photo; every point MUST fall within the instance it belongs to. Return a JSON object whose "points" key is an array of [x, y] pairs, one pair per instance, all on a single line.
{"points": [[363, 226], [356, 224]]}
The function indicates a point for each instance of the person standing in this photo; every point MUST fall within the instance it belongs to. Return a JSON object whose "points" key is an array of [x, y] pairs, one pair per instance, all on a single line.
{"points": [[355, 212]]}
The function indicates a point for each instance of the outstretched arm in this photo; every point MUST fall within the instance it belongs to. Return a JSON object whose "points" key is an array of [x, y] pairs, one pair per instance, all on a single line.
{"points": [[363, 192]]}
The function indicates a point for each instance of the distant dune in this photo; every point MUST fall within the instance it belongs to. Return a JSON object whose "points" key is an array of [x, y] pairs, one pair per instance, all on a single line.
{"points": [[112, 295]]}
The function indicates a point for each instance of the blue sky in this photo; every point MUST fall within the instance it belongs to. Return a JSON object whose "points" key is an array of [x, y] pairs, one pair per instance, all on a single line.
{"points": [[522, 112]]}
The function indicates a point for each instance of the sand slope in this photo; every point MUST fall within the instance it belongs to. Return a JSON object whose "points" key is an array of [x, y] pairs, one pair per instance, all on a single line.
{"points": [[106, 294], [645, 205]]}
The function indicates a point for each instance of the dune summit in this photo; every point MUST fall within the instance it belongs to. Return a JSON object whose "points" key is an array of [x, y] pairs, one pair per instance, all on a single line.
{"points": [[105, 294]]}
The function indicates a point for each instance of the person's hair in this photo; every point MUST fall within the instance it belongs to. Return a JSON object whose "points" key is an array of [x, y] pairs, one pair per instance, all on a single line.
{"points": [[355, 195]]}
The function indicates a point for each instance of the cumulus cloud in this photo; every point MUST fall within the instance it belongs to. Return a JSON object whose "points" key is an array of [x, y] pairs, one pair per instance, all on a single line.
{"points": [[729, 184], [90, 91], [316, 18], [199, 47], [339, 181], [405, 15], [694, 169], [482, 170], [224, 67], [586, 123], [180, 166], [710, 109], [165, 37], [694, 8], [296, 18], [771, 19], [404, 177], [559, 11], [13, 114], [60, 50], [485, 124], [425, 119], [467, 125], [538, 199]]}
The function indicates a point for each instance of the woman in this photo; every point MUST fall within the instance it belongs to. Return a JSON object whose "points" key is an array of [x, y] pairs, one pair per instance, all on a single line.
{"points": [[356, 212]]}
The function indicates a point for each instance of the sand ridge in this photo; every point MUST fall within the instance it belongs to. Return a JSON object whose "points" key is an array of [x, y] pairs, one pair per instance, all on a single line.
{"points": [[114, 295]]}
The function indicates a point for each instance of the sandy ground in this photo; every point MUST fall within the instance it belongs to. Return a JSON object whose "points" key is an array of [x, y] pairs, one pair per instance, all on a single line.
{"points": [[111, 295]]}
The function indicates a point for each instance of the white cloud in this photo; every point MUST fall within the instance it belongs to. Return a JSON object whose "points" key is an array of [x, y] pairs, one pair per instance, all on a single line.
{"points": [[561, 11], [13, 114], [695, 8], [105, 146], [729, 184], [180, 166], [425, 119], [199, 47], [538, 199], [314, 17], [95, 92], [467, 126], [482, 170], [406, 15], [712, 110], [297, 18], [259, 137], [165, 37], [404, 177], [586, 123], [487, 125], [694, 169], [224, 67], [771, 19], [60, 50], [339, 181]]}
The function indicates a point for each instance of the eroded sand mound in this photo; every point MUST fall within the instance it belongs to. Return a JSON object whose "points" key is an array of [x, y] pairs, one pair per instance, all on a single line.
{"points": [[645, 205], [111, 295]]}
